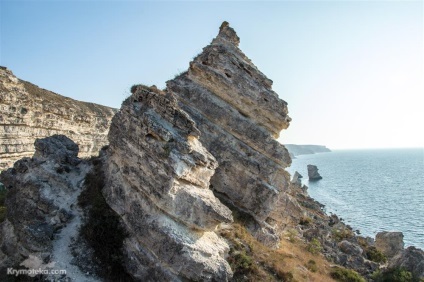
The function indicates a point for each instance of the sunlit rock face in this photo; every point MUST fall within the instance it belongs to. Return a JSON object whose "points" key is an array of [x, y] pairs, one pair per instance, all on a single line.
{"points": [[239, 117], [28, 112], [157, 180]]}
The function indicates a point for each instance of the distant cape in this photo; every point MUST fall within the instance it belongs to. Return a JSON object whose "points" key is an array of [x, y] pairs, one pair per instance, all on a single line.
{"points": [[296, 150]]}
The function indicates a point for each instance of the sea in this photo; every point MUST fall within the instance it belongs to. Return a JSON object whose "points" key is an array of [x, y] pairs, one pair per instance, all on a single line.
{"points": [[371, 190]]}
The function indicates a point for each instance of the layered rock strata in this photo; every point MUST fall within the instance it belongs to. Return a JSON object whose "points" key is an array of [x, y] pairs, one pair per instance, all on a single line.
{"points": [[28, 112], [239, 117], [157, 180]]}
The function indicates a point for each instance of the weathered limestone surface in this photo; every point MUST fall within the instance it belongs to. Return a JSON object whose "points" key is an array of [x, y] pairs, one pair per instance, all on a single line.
{"points": [[41, 199], [239, 117], [157, 179], [28, 112], [390, 243]]}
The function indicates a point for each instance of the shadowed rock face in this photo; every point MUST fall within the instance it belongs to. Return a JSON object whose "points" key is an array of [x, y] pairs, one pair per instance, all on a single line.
{"points": [[157, 179], [41, 199], [28, 112], [313, 173], [239, 117]]}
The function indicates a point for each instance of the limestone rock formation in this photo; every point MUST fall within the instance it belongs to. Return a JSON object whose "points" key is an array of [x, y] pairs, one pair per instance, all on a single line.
{"points": [[390, 243], [297, 178], [157, 180], [41, 201], [313, 173], [239, 117], [28, 112]]}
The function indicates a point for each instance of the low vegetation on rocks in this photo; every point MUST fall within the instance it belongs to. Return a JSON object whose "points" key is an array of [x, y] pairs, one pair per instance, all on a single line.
{"points": [[346, 275], [397, 274]]}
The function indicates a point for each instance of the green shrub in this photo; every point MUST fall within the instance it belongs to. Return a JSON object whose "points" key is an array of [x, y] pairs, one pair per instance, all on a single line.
{"points": [[398, 274], [375, 255], [240, 261], [312, 265], [346, 275], [305, 221], [292, 234], [342, 234], [314, 246]]}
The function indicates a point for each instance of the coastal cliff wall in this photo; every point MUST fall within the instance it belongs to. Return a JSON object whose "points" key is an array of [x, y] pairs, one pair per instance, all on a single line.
{"points": [[28, 112]]}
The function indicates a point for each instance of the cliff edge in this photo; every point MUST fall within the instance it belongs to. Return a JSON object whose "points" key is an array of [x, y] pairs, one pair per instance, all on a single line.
{"points": [[28, 112]]}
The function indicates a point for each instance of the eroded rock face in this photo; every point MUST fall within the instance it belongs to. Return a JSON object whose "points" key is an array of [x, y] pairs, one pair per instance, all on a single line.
{"points": [[411, 259], [28, 112], [239, 117], [41, 199], [157, 179], [390, 243]]}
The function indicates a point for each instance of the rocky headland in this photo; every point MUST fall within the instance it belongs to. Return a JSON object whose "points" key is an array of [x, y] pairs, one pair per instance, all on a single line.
{"points": [[297, 150], [28, 112], [192, 187]]}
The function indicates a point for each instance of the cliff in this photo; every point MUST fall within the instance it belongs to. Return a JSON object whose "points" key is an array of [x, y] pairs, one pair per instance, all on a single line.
{"points": [[28, 112], [157, 179], [296, 150], [192, 187]]}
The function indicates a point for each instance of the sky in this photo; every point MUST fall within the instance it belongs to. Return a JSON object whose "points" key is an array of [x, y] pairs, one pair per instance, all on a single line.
{"points": [[352, 72]]}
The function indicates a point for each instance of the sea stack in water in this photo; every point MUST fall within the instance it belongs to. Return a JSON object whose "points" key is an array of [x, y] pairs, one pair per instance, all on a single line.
{"points": [[313, 173]]}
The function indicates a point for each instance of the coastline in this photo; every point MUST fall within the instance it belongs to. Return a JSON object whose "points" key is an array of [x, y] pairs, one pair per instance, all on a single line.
{"points": [[359, 207]]}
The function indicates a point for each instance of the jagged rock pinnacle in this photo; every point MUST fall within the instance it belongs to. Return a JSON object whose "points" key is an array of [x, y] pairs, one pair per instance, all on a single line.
{"points": [[227, 34]]}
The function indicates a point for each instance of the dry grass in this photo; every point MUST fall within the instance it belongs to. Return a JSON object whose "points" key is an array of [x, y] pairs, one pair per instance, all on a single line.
{"points": [[252, 261]]}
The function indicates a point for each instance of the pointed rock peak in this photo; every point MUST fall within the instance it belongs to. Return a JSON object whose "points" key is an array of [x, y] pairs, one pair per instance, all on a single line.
{"points": [[227, 35]]}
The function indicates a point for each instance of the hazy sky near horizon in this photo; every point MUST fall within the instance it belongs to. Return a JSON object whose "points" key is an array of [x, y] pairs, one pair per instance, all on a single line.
{"points": [[352, 72]]}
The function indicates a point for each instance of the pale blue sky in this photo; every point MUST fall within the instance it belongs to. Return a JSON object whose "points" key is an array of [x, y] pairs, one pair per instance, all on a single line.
{"points": [[351, 71]]}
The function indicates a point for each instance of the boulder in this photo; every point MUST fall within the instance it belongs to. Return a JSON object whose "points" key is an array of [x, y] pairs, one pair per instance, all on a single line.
{"points": [[350, 248], [389, 243], [412, 259]]}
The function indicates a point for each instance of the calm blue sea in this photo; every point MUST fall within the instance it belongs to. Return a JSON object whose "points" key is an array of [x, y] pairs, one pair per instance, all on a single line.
{"points": [[372, 190]]}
